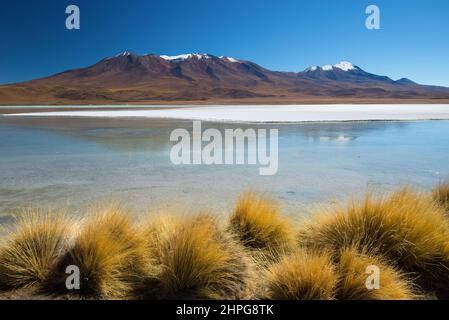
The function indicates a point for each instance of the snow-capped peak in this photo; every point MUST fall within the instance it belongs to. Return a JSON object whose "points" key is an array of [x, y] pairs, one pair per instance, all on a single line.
{"points": [[185, 56], [180, 57], [124, 54], [343, 65]]}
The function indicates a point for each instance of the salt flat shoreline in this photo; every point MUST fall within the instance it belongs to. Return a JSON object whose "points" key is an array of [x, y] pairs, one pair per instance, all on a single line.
{"points": [[266, 113]]}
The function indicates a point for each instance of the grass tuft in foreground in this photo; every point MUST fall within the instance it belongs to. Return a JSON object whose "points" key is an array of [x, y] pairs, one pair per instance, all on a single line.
{"points": [[441, 195], [109, 254], [259, 225], [355, 270], [315, 275], [32, 250], [406, 228], [301, 276], [196, 259]]}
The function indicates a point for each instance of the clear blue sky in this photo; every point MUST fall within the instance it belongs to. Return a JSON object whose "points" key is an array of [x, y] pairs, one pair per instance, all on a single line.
{"points": [[285, 35]]}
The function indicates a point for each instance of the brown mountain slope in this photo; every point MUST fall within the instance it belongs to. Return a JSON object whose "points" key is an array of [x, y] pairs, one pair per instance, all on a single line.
{"points": [[129, 78]]}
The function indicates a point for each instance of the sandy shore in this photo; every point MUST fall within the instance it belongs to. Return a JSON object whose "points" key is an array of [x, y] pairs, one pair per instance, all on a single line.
{"points": [[267, 113]]}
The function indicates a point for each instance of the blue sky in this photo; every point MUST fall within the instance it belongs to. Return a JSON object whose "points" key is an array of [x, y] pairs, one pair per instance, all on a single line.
{"points": [[281, 35]]}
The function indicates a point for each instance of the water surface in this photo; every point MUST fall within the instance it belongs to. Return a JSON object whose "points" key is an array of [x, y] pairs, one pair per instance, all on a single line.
{"points": [[71, 162]]}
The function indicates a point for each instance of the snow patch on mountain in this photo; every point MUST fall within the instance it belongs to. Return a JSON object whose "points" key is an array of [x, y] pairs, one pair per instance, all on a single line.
{"points": [[185, 56], [312, 68], [124, 54], [345, 66], [230, 59]]}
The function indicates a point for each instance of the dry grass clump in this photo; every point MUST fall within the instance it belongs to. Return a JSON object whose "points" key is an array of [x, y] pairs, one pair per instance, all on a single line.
{"points": [[441, 195], [259, 225], [404, 233], [407, 228], [33, 249], [352, 267], [315, 275], [301, 275], [109, 254], [196, 259]]}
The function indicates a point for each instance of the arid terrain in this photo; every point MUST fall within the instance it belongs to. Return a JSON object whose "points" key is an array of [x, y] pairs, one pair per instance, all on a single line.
{"points": [[206, 79]]}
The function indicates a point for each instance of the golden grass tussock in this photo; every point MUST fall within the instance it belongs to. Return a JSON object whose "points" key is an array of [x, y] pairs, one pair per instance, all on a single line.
{"points": [[314, 275], [258, 224], [441, 195], [109, 254], [195, 258], [300, 275], [33, 248], [256, 254], [367, 277], [405, 227]]}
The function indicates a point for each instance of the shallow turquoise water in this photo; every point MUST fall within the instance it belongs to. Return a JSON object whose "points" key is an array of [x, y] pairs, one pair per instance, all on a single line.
{"points": [[73, 162]]}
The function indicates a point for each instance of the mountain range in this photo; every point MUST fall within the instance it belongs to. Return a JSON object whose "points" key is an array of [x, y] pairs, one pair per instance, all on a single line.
{"points": [[204, 78]]}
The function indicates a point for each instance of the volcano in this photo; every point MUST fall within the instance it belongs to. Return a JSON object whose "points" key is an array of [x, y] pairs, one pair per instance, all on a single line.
{"points": [[128, 78]]}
